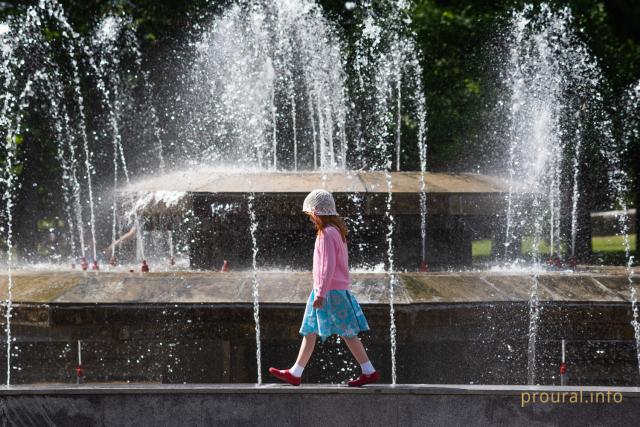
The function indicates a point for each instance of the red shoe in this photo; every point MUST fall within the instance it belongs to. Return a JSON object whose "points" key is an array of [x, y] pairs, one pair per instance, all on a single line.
{"points": [[285, 376], [364, 379]]}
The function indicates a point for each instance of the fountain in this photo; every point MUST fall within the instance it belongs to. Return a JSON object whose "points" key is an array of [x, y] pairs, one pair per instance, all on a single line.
{"points": [[270, 102], [555, 88]]}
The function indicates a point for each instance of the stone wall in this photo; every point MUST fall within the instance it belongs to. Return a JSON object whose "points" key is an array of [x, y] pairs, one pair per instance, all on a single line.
{"points": [[465, 343]]}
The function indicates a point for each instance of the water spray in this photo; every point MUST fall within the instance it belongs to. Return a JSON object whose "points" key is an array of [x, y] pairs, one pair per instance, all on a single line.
{"points": [[79, 368]]}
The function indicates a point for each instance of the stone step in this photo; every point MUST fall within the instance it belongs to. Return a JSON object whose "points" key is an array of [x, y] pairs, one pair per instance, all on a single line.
{"points": [[276, 405]]}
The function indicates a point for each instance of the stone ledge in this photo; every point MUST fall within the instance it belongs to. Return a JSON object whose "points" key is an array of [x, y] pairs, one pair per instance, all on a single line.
{"points": [[210, 180], [242, 405], [293, 287], [305, 389]]}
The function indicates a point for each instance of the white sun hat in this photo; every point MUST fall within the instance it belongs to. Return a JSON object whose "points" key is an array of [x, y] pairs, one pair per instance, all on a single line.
{"points": [[319, 202]]}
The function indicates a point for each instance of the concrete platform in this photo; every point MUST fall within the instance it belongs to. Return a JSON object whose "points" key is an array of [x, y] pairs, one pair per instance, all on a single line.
{"points": [[311, 405]]}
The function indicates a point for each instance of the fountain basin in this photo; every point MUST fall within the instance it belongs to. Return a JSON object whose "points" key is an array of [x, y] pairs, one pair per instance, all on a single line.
{"points": [[198, 327], [461, 207]]}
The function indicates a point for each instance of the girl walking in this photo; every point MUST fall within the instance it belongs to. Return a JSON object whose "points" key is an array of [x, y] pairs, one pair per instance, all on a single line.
{"points": [[331, 308]]}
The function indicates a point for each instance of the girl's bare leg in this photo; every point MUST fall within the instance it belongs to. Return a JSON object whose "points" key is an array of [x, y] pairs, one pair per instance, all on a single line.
{"points": [[306, 349], [357, 349], [369, 373]]}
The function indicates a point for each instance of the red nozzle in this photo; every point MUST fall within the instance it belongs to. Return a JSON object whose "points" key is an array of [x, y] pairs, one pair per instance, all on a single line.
{"points": [[84, 264], [79, 371], [225, 266], [563, 368], [573, 262], [145, 267], [424, 267], [558, 262], [95, 266]]}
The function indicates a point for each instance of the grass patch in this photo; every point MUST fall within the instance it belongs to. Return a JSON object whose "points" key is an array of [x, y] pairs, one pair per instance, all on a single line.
{"points": [[606, 249], [611, 243], [481, 248]]}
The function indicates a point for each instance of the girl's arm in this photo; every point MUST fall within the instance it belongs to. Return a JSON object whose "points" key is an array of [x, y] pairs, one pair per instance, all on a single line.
{"points": [[326, 256]]}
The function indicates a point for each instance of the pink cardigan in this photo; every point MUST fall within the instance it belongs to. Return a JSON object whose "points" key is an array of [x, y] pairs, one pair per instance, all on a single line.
{"points": [[330, 262]]}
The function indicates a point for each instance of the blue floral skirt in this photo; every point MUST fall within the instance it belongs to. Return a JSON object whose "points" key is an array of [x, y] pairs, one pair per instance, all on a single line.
{"points": [[340, 314]]}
